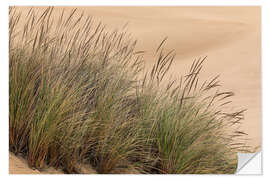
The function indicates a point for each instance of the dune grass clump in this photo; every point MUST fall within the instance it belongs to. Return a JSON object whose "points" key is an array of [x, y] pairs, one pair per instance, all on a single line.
{"points": [[79, 94]]}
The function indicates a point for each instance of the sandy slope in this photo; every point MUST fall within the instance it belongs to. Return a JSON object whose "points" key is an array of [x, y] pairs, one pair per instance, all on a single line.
{"points": [[18, 165], [229, 36]]}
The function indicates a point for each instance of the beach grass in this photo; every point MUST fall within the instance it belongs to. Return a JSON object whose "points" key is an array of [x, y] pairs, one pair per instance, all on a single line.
{"points": [[80, 94]]}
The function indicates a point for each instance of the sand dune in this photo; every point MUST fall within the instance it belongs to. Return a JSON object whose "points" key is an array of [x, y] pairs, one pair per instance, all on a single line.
{"points": [[229, 36]]}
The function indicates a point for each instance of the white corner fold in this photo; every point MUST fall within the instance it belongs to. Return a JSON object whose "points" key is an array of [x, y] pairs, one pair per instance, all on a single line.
{"points": [[249, 163]]}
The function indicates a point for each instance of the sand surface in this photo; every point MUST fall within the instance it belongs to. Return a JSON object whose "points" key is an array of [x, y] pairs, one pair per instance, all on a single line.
{"points": [[18, 165], [229, 36]]}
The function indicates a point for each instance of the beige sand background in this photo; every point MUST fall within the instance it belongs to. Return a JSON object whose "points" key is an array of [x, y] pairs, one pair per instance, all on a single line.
{"points": [[229, 36]]}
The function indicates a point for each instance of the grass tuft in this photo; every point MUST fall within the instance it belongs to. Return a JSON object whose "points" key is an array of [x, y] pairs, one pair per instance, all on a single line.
{"points": [[79, 94]]}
